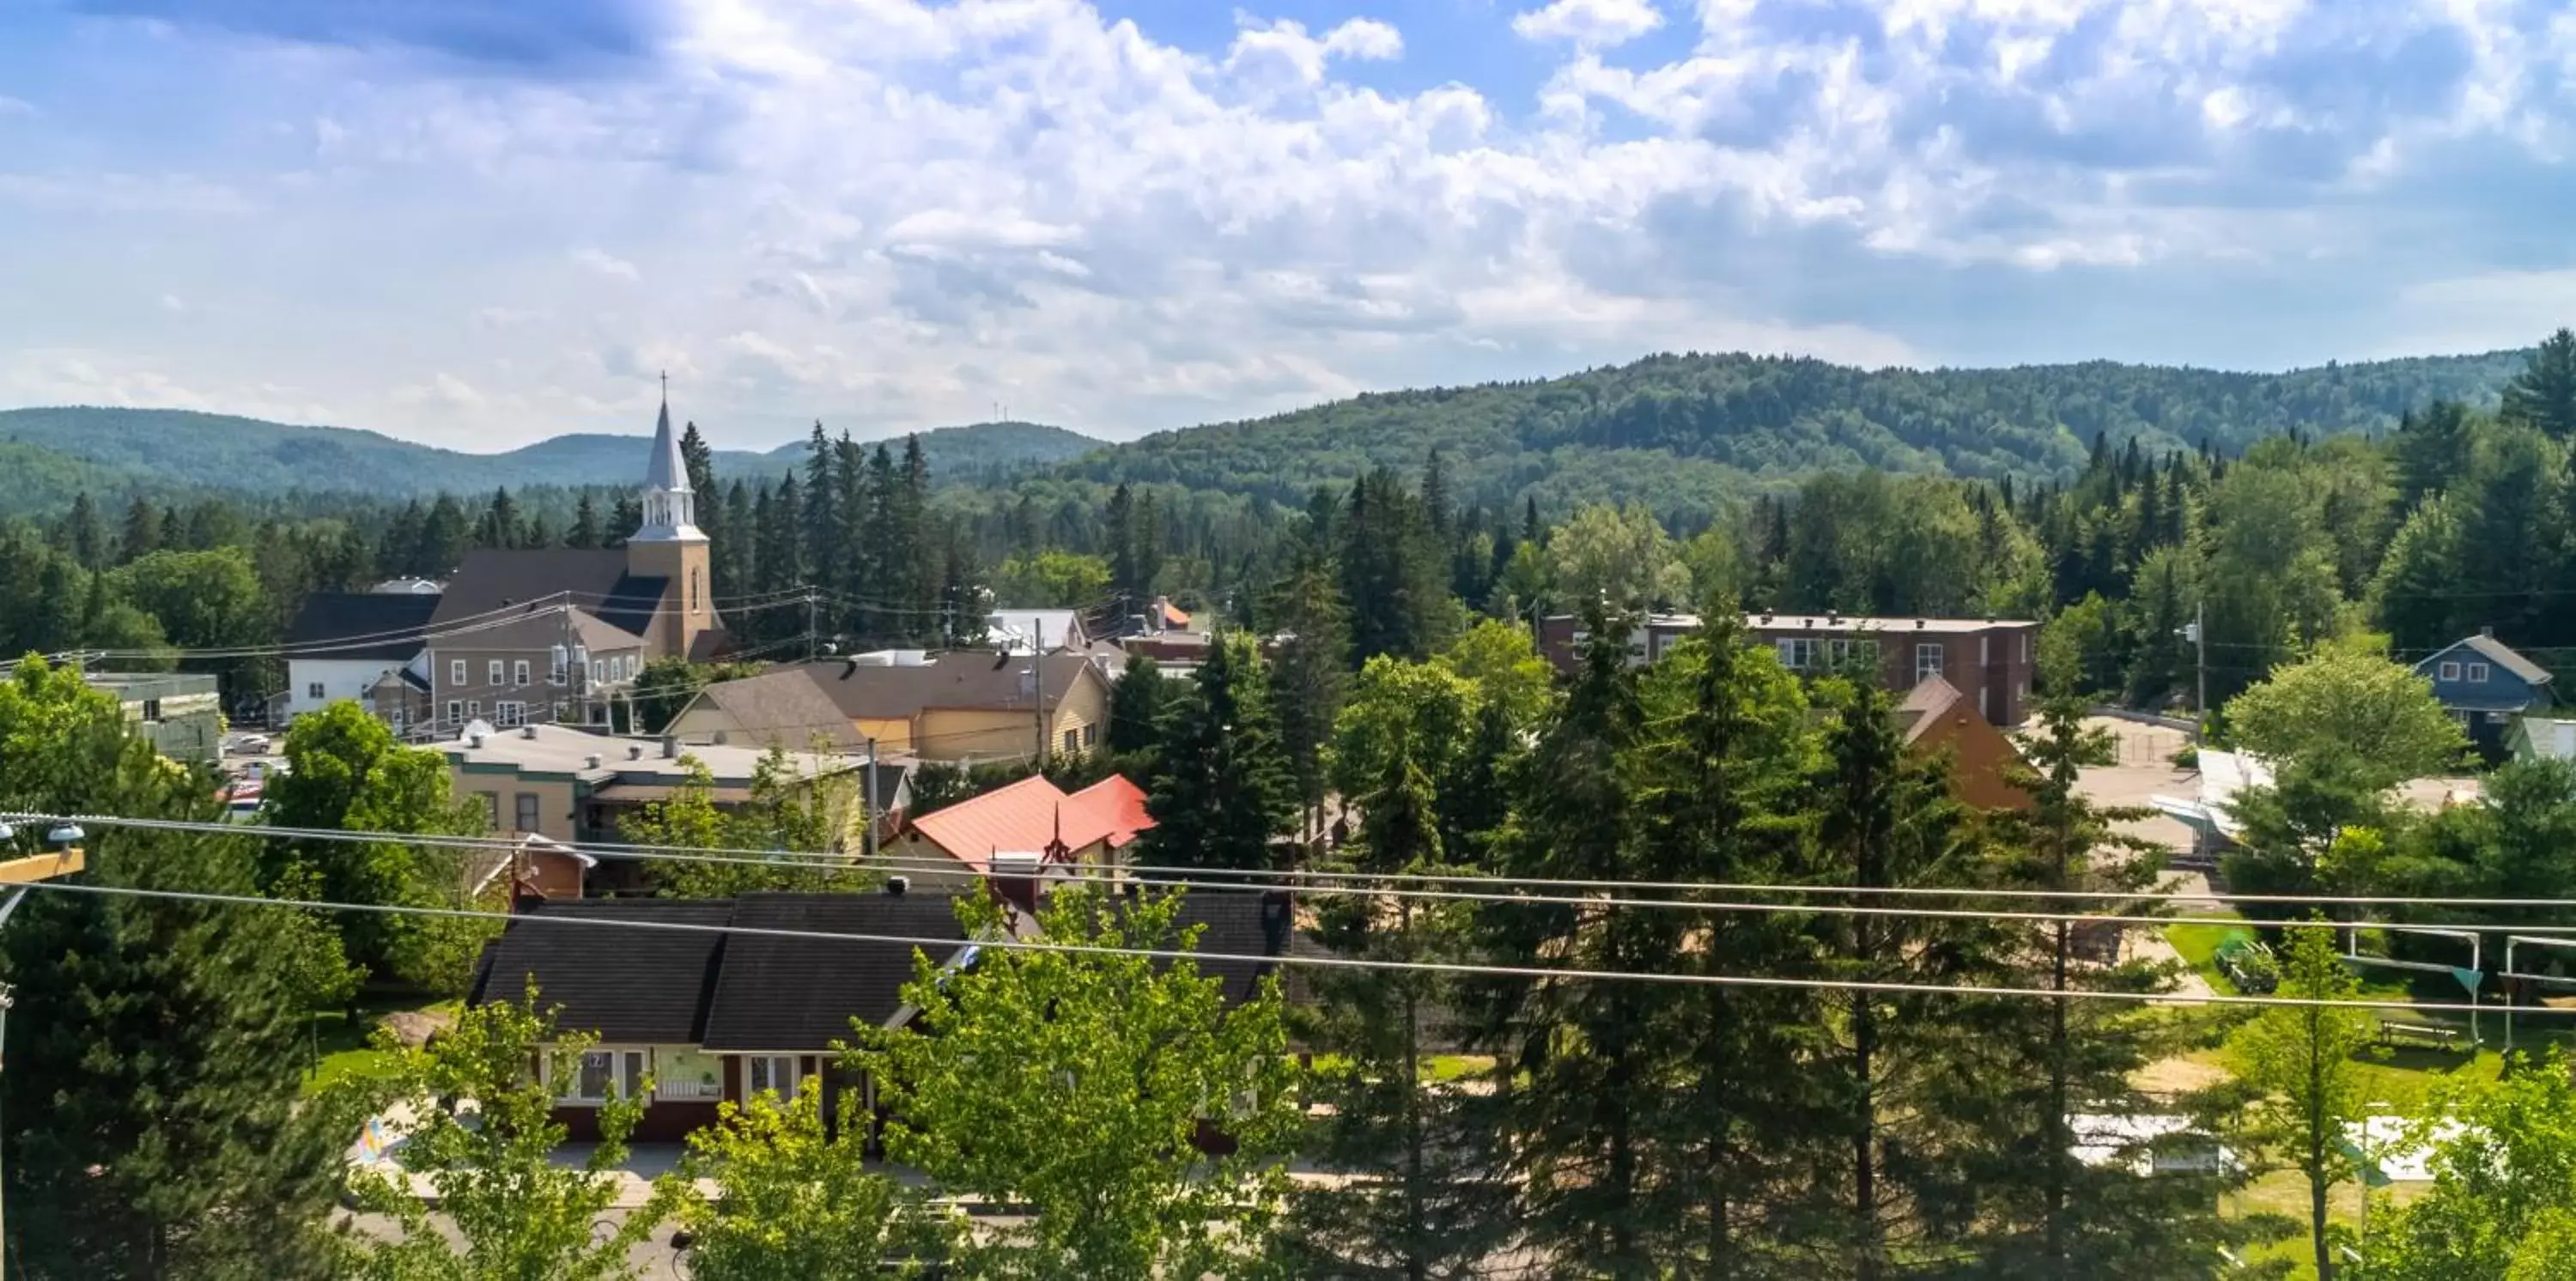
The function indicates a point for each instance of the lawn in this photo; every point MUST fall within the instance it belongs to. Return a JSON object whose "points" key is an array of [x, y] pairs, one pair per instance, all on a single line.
{"points": [[343, 1048], [2199, 946]]}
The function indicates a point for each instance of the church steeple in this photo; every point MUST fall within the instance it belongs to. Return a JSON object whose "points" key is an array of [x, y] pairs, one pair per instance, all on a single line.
{"points": [[670, 507]]}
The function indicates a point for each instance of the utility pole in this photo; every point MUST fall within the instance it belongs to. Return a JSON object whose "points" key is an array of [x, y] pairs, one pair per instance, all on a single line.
{"points": [[868, 793], [812, 629], [1037, 690], [2200, 645], [7, 998]]}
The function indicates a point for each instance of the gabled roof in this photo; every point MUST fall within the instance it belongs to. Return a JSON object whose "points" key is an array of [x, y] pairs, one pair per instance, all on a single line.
{"points": [[624, 984], [804, 994], [1018, 818], [786, 706], [594, 580], [1111, 810], [2493, 651], [1240, 923], [1925, 705], [973, 678], [384, 626]]}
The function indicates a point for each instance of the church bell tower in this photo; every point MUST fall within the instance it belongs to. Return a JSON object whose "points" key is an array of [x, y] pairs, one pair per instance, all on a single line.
{"points": [[669, 546]]}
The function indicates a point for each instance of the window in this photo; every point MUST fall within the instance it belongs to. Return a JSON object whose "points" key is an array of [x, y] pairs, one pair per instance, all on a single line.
{"points": [[491, 809], [151, 709], [493, 672], [519, 672], [1844, 653], [527, 802], [1927, 659], [510, 714], [1797, 653], [770, 1073], [601, 1075], [597, 671], [313, 690], [455, 712], [1072, 741], [398, 719], [697, 597], [2477, 673], [1090, 735], [456, 671], [2450, 671], [1982, 660]]}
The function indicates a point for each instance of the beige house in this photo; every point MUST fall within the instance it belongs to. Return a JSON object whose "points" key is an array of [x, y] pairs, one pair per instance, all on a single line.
{"points": [[964, 706]]}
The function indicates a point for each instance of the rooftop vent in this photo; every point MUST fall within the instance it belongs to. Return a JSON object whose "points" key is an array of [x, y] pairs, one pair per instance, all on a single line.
{"points": [[527, 731], [670, 747], [474, 741], [897, 886], [634, 751]]}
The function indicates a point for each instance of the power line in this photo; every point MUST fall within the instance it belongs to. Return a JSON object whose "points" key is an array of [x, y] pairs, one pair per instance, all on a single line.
{"points": [[1342, 884], [1287, 958]]}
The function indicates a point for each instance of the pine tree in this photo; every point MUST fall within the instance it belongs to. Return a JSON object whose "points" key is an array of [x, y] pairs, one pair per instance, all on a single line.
{"points": [[585, 523], [1120, 519], [499, 526], [1582, 1111], [1394, 580], [1309, 676], [891, 565], [1137, 704], [155, 1125], [736, 555], [822, 497], [783, 541], [2543, 395], [699, 461], [1430, 1202], [445, 534], [82, 535], [2430, 450], [1226, 790], [141, 535]]}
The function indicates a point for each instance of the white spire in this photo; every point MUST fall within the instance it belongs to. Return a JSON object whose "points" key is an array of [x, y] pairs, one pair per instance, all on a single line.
{"points": [[670, 509]]}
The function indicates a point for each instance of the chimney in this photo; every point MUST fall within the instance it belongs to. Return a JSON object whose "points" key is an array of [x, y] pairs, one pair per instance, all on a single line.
{"points": [[897, 886], [591, 760], [634, 751], [474, 741], [528, 731], [2487, 631], [670, 747]]}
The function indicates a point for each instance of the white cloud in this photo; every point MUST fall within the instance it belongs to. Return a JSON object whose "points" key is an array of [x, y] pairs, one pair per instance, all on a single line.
{"points": [[1591, 24], [891, 213], [606, 264]]}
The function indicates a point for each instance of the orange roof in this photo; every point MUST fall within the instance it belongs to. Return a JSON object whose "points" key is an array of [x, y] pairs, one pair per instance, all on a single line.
{"points": [[1173, 617], [1014, 819], [1111, 810], [1027, 816]]}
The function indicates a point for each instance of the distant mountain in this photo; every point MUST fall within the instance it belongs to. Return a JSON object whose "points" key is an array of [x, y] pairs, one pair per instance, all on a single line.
{"points": [[1680, 431], [182, 449]]}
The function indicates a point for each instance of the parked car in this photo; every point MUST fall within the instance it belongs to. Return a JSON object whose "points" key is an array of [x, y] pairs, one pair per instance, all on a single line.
{"points": [[250, 745]]}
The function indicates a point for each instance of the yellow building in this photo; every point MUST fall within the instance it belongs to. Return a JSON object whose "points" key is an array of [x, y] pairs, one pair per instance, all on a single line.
{"points": [[965, 706]]}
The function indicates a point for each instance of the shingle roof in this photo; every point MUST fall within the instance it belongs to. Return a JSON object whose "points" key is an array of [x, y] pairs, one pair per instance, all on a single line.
{"points": [[1240, 923], [625, 985], [493, 579], [786, 707], [964, 678], [356, 624], [1925, 705], [803, 994]]}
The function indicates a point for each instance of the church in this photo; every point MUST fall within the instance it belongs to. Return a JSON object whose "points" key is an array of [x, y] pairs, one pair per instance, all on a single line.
{"points": [[523, 636]]}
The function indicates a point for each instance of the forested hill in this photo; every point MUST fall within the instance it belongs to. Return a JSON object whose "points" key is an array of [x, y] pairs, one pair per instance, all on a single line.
{"points": [[1673, 430], [180, 450]]}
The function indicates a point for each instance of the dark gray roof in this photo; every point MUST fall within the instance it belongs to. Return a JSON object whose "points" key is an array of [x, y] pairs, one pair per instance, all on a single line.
{"points": [[963, 678], [803, 994], [622, 983], [1240, 923], [330, 618], [496, 579]]}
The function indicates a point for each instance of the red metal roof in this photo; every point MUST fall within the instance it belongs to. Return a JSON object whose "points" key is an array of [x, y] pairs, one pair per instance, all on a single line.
{"points": [[1027, 816], [1111, 810]]}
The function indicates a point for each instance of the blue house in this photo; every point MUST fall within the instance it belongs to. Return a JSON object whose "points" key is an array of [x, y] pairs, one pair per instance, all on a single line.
{"points": [[2486, 687]]}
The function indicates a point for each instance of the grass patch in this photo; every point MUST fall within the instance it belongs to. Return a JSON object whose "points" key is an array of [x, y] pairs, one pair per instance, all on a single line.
{"points": [[2199, 945], [342, 1047]]}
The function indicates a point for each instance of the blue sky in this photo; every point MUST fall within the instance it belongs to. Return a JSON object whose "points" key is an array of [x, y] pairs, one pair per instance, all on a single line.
{"points": [[482, 222]]}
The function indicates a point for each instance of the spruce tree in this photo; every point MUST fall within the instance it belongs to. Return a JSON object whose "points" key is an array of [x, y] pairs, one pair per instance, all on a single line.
{"points": [[141, 535], [584, 532], [1308, 678], [154, 1125], [822, 525], [2543, 395], [1225, 791]]}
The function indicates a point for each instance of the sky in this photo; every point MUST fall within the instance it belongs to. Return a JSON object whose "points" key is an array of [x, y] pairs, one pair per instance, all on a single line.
{"points": [[478, 223]]}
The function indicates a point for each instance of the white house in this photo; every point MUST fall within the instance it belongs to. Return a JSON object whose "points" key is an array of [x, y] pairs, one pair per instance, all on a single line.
{"points": [[343, 643]]}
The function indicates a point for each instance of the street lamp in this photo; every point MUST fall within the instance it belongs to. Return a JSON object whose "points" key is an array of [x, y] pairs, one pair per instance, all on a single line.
{"points": [[65, 835]]}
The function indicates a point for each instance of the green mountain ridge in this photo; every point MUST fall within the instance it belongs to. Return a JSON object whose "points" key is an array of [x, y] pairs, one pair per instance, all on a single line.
{"points": [[154, 450], [1681, 432]]}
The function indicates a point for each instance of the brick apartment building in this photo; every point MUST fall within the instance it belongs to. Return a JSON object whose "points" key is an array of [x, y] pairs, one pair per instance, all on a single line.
{"points": [[1989, 661]]}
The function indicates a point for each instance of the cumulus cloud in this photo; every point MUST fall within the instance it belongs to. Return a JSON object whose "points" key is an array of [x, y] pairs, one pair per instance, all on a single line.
{"points": [[892, 213], [1592, 24]]}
